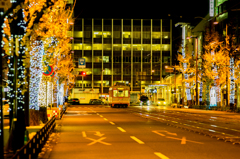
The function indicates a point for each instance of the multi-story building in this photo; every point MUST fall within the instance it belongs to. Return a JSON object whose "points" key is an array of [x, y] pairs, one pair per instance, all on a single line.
{"points": [[134, 51]]}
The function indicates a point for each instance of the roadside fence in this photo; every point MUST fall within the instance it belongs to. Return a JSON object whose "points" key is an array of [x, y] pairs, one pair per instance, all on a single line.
{"points": [[33, 147]]}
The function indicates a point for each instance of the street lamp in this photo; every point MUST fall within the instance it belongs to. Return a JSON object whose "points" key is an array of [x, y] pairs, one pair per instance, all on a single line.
{"points": [[102, 83]]}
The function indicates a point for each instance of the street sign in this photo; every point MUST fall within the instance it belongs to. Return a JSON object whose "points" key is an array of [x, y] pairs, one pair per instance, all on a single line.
{"points": [[81, 63]]}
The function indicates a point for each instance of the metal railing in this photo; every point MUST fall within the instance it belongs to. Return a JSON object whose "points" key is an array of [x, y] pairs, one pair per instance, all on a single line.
{"points": [[33, 147]]}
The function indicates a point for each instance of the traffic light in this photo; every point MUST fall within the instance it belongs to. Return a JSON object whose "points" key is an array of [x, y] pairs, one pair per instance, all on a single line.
{"points": [[83, 73]]}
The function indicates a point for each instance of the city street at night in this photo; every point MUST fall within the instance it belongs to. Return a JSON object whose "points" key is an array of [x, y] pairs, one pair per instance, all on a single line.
{"points": [[99, 131], [92, 80]]}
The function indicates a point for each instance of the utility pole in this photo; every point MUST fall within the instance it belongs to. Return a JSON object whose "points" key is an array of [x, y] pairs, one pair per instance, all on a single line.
{"points": [[197, 72], [175, 91]]}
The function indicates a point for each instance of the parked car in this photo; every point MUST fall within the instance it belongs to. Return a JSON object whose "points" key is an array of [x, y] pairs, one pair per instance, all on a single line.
{"points": [[96, 101], [144, 100], [74, 101], [161, 102], [5, 108]]}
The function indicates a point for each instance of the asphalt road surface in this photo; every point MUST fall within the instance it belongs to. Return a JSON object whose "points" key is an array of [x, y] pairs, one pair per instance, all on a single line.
{"points": [[101, 132]]}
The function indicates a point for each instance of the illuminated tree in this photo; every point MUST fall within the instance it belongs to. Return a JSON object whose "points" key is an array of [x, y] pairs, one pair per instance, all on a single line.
{"points": [[32, 31], [215, 63], [186, 66]]}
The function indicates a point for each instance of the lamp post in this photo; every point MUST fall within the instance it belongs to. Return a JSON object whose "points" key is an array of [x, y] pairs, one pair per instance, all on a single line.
{"points": [[102, 83]]}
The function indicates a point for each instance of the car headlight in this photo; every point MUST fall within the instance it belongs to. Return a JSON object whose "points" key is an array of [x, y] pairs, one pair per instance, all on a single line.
{"points": [[148, 102]]}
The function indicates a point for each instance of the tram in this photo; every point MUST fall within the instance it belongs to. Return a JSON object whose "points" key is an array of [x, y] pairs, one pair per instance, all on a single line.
{"points": [[119, 95]]}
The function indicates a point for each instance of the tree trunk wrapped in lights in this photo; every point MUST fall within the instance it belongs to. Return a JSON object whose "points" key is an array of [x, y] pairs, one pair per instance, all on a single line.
{"points": [[47, 23]]}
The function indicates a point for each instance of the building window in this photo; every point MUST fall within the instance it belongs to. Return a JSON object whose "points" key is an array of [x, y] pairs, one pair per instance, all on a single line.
{"points": [[87, 34], [97, 34], [146, 35], [107, 47], [78, 34], [77, 46], [166, 47], [126, 34], [137, 47], [166, 59], [156, 35], [87, 46], [116, 34], [117, 47], [107, 34], [107, 71], [166, 35], [105, 58], [97, 46], [156, 47], [137, 34], [146, 47], [98, 58], [126, 47]]}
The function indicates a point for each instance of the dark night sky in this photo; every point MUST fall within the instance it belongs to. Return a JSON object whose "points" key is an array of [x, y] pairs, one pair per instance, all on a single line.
{"points": [[188, 9]]}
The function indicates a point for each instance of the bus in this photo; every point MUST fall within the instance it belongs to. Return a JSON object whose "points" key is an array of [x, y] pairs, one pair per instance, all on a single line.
{"points": [[119, 96]]}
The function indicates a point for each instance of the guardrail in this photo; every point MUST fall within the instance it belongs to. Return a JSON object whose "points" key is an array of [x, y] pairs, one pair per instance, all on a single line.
{"points": [[33, 147], [64, 108]]}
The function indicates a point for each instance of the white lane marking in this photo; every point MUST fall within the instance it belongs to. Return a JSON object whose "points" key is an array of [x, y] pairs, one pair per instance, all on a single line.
{"points": [[137, 140], [112, 123], [121, 129], [98, 133], [161, 155]]}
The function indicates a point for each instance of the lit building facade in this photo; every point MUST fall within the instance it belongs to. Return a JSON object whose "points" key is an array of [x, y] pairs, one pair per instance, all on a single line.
{"points": [[134, 51]]}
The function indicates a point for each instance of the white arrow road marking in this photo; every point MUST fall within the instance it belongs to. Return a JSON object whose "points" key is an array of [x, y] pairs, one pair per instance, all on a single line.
{"points": [[98, 134], [84, 134], [159, 133], [175, 134], [184, 140]]}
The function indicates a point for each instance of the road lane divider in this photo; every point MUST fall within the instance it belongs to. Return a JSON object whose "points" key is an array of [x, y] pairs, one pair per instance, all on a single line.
{"points": [[161, 155], [101, 116], [104, 118], [121, 129], [137, 140], [112, 123]]}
